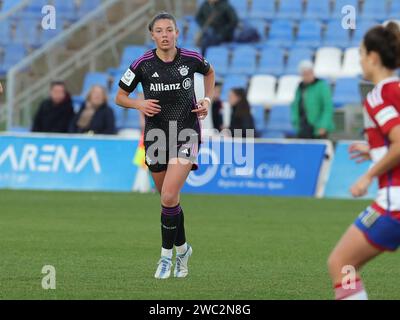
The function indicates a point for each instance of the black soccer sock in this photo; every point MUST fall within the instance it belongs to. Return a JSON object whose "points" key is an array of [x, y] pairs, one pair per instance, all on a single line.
{"points": [[170, 220], [180, 235]]}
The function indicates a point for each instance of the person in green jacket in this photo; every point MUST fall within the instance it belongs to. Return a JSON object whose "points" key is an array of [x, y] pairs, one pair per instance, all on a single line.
{"points": [[312, 108], [217, 20]]}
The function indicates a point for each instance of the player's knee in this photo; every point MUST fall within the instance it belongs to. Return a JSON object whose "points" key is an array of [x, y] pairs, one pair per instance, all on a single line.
{"points": [[169, 198]]}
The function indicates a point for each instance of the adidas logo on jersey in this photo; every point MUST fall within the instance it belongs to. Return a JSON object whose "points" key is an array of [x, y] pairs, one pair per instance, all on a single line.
{"points": [[185, 151], [155, 75]]}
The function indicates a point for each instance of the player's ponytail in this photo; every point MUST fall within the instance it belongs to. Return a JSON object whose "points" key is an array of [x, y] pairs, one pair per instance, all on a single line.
{"points": [[393, 36], [385, 40]]}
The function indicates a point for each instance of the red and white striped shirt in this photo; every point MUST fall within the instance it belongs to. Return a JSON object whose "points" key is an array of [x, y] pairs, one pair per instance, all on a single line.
{"points": [[381, 115]]}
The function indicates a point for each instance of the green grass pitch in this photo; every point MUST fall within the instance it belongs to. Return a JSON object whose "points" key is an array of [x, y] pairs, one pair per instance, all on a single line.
{"points": [[105, 246]]}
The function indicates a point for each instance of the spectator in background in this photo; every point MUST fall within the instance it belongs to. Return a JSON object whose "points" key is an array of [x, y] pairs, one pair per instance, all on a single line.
{"points": [[95, 116], [312, 108], [56, 112], [217, 107], [217, 20], [241, 117]]}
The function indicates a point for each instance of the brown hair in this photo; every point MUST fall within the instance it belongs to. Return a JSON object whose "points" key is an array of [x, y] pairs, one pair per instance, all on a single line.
{"points": [[161, 16], [104, 91], [385, 41], [243, 106]]}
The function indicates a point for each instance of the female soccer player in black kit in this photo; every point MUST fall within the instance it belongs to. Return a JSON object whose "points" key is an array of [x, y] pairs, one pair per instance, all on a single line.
{"points": [[172, 130]]}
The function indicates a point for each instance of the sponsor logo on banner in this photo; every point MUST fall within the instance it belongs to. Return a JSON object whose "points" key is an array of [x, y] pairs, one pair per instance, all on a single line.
{"points": [[50, 158], [270, 170]]}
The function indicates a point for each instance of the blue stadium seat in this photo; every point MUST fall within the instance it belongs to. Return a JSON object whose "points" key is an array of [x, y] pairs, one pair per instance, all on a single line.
{"points": [[244, 60], [346, 92], [28, 32], [317, 9], [132, 120], [339, 4], [119, 114], [241, 7], [219, 57], [290, 9], [262, 9], [47, 35], [266, 134], [67, 9], [234, 81], [94, 78], [13, 53], [260, 25], [37, 5], [394, 10], [296, 55], [5, 32], [281, 33], [91, 79], [309, 34], [336, 35], [129, 54], [181, 24], [258, 113], [190, 36], [373, 9], [87, 6], [362, 26], [9, 4], [272, 61], [279, 120]]}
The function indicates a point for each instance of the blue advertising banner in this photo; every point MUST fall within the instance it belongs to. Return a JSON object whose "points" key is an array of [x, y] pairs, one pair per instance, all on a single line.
{"points": [[110, 164], [344, 172], [278, 169], [58, 163]]}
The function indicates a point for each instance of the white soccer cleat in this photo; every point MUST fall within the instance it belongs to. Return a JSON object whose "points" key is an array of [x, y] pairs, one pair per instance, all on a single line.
{"points": [[181, 266], [164, 268]]}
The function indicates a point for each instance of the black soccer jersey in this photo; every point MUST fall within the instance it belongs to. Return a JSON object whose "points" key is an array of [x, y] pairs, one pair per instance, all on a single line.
{"points": [[172, 83]]}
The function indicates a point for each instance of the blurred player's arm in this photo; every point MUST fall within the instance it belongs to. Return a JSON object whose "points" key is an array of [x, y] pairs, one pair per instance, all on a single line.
{"points": [[1, 88], [359, 152], [149, 107], [388, 162], [392, 157], [209, 85]]}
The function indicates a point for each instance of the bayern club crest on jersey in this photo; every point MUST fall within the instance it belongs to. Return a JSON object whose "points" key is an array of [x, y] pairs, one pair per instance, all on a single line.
{"points": [[183, 70]]}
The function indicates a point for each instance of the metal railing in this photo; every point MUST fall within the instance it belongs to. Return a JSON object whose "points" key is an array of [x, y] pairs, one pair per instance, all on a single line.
{"points": [[13, 10], [48, 63]]}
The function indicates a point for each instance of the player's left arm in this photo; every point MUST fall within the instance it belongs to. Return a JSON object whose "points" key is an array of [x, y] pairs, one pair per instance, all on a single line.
{"points": [[388, 120], [1, 88], [205, 104]]}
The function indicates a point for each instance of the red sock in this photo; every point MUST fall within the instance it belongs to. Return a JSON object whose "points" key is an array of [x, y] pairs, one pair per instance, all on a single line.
{"points": [[356, 290]]}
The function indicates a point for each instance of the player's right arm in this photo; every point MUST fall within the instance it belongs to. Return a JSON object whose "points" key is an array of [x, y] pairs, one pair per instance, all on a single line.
{"points": [[148, 107], [359, 152], [127, 85]]}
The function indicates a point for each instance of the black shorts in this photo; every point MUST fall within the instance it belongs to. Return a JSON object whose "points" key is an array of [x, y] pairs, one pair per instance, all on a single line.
{"points": [[157, 159]]}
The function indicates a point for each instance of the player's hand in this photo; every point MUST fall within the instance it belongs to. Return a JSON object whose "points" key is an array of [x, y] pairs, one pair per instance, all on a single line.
{"points": [[202, 109], [359, 152], [150, 107], [322, 132], [360, 188]]}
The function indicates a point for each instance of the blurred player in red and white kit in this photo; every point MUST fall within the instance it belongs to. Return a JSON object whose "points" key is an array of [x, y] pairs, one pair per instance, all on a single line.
{"points": [[377, 229]]}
